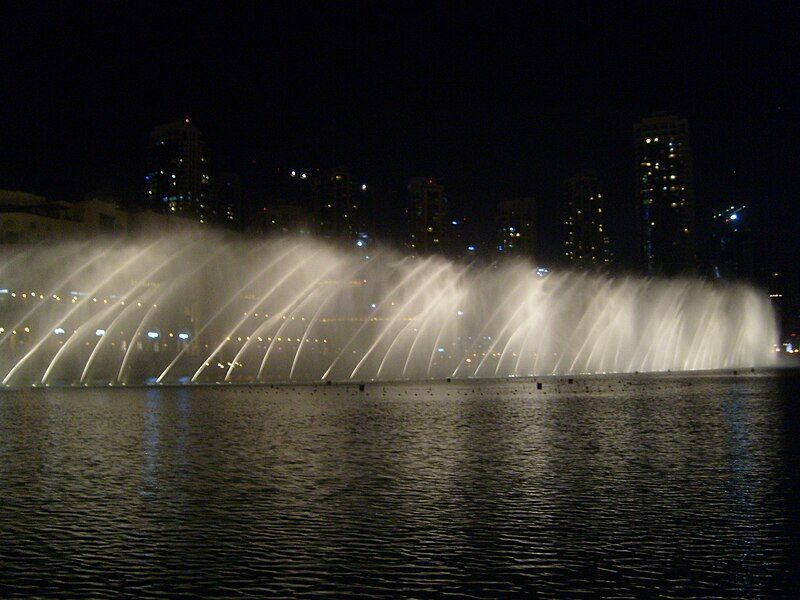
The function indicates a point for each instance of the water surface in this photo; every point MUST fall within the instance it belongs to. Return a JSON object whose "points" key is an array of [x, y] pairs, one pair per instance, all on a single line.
{"points": [[642, 486]]}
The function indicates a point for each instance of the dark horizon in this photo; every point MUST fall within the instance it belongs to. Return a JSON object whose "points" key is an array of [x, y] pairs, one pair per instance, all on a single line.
{"points": [[492, 104]]}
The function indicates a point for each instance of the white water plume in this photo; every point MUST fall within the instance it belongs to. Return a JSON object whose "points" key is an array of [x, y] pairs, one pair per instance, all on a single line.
{"points": [[200, 308]]}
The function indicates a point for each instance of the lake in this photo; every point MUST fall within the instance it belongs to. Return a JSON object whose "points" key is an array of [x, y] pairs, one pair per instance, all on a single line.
{"points": [[627, 486]]}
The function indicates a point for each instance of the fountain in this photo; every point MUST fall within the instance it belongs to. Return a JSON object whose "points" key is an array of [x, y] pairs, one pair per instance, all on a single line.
{"points": [[204, 309]]}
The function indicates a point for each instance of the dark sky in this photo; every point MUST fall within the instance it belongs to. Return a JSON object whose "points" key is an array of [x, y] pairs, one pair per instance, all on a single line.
{"points": [[494, 99]]}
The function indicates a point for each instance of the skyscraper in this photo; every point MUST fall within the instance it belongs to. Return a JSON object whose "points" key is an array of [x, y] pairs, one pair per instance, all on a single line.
{"points": [[292, 186], [588, 244], [227, 200], [335, 206], [177, 178], [731, 249], [426, 210], [281, 219], [665, 194], [515, 227]]}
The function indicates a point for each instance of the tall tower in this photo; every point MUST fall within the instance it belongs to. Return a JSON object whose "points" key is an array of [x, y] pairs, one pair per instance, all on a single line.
{"points": [[588, 244], [427, 212], [227, 200], [177, 178], [665, 194], [515, 227], [731, 250], [335, 208]]}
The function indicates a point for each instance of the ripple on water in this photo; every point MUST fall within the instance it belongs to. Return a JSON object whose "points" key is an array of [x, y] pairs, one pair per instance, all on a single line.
{"points": [[484, 490]]}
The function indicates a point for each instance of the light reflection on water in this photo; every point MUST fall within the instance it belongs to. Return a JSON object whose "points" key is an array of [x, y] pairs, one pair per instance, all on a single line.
{"points": [[650, 485]]}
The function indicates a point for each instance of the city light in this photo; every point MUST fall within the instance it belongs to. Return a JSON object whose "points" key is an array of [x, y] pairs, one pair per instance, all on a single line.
{"points": [[627, 425]]}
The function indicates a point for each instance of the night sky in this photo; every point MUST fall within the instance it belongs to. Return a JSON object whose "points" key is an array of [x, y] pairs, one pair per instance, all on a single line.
{"points": [[495, 100]]}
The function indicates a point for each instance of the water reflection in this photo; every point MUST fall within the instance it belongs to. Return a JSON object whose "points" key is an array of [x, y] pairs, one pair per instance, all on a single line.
{"points": [[637, 486]]}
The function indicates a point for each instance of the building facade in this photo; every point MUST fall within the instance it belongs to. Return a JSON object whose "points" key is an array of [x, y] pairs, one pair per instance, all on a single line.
{"points": [[588, 244], [177, 179], [27, 218], [281, 219], [514, 224], [665, 195], [731, 241], [427, 213], [335, 204], [227, 200]]}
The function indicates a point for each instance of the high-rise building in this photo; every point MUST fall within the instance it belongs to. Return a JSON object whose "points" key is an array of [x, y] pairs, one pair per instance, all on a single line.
{"points": [[292, 186], [665, 194], [515, 227], [461, 236], [731, 244], [335, 204], [177, 178], [427, 208], [281, 219], [588, 244], [227, 200]]}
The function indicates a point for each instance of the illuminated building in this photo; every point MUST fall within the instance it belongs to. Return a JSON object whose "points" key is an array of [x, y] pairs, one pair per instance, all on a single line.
{"points": [[427, 206], [460, 236], [226, 199], [177, 178], [665, 194], [732, 244], [335, 204], [292, 186], [28, 218], [282, 219], [783, 287], [587, 244], [515, 227]]}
